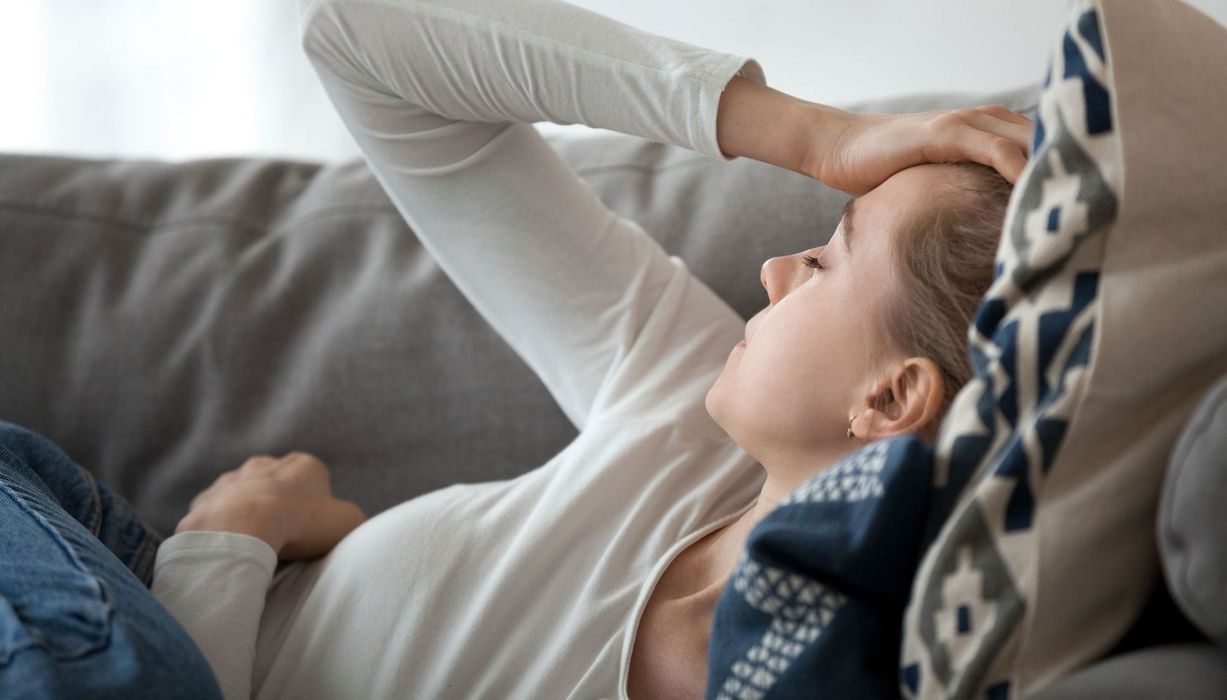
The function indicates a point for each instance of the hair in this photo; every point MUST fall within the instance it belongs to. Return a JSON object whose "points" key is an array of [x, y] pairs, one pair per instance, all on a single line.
{"points": [[944, 265]]}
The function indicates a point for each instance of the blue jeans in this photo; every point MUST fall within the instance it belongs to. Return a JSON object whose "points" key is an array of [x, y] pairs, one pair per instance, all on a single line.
{"points": [[77, 619]]}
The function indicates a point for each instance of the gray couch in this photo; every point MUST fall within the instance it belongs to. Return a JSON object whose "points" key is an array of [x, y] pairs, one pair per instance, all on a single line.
{"points": [[163, 321]]}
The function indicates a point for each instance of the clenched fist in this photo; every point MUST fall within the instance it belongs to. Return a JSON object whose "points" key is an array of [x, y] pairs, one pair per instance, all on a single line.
{"points": [[286, 501]]}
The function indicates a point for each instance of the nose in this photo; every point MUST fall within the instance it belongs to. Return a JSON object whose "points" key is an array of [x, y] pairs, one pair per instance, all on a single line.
{"points": [[780, 274]]}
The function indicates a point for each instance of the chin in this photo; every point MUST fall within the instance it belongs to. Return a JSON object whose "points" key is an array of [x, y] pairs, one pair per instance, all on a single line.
{"points": [[712, 403], [723, 413]]}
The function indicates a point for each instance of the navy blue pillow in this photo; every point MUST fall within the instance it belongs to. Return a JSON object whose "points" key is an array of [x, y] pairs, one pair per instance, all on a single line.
{"points": [[816, 602]]}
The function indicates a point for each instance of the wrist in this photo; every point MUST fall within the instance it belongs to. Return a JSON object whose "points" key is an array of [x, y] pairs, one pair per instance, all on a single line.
{"points": [[765, 124], [251, 519]]}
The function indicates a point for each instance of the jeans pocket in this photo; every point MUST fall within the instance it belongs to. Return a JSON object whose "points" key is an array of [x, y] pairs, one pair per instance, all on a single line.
{"points": [[67, 613]]}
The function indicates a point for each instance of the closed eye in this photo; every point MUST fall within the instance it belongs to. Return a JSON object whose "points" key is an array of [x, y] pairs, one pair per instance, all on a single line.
{"points": [[811, 261]]}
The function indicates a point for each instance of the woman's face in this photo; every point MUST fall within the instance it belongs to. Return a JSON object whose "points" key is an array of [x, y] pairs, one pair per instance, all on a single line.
{"points": [[811, 357]]}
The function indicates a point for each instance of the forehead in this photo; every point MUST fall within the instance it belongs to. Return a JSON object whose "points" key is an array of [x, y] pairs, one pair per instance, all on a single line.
{"points": [[901, 197]]}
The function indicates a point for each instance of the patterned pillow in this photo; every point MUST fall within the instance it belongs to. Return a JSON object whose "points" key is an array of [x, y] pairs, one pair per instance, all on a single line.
{"points": [[816, 599], [1101, 330]]}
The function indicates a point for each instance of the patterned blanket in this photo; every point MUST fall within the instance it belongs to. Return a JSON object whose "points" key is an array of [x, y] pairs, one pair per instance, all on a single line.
{"points": [[816, 602]]}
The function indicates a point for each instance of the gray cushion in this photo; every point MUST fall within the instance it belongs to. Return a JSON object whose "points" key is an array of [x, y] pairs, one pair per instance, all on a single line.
{"points": [[1191, 528], [1184, 671], [163, 321]]}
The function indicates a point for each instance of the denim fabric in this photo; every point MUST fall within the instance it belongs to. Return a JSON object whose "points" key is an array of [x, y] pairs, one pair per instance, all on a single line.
{"points": [[76, 615]]}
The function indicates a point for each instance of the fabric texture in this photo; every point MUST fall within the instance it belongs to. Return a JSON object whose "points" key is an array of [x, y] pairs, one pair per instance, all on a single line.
{"points": [[1113, 246], [817, 596], [1190, 526], [216, 583], [76, 618]]}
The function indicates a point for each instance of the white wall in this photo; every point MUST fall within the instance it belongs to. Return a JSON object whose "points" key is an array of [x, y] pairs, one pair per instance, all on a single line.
{"points": [[205, 78]]}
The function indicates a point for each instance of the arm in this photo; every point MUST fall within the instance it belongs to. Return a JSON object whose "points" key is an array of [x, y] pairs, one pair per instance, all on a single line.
{"points": [[857, 152], [438, 96], [213, 574], [285, 502], [214, 584], [760, 122]]}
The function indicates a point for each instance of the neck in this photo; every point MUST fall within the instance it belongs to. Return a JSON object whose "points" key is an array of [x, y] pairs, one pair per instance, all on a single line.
{"points": [[722, 549]]}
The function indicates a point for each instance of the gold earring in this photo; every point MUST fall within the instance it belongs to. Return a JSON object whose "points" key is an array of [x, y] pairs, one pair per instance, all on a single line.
{"points": [[850, 433]]}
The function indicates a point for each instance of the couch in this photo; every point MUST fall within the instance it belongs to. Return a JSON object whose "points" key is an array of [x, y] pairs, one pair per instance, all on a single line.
{"points": [[165, 320]]}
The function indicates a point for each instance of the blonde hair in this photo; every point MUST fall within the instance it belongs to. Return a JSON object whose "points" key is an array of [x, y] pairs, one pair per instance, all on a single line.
{"points": [[944, 265]]}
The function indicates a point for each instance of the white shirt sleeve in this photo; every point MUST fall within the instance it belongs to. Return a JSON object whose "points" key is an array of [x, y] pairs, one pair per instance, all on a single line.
{"points": [[439, 96], [214, 584]]}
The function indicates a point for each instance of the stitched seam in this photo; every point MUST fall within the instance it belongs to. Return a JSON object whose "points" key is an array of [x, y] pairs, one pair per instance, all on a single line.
{"points": [[94, 516], [55, 534], [146, 556]]}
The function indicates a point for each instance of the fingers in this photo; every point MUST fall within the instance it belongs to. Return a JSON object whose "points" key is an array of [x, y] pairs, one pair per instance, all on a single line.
{"points": [[346, 517], [999, 153], [329, 526], [298, 455], [257, 462], [295, 461], [1001, 112], [1009, 160], [976, 136], [349, 516], [1016, 131]]}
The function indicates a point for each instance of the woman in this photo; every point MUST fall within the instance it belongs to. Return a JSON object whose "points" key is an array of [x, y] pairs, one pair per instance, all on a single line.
{"points": [[594, 575]]}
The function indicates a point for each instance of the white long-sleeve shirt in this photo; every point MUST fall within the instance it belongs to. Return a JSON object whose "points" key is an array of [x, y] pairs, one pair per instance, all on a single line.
{"points": [[530, 587]]}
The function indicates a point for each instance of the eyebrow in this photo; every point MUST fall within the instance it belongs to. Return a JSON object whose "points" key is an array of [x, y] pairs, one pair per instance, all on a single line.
{"points": [[847, 217]]}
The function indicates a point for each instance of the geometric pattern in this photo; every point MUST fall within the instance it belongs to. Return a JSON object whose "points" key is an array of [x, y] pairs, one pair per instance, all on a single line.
{"points": [[1031, 343], [854, 479], [817, 595], [951, 526], [973, 609], [800, 608]]}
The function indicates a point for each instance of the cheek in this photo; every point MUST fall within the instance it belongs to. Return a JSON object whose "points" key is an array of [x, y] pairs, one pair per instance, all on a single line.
{"points": [[776, 369], [812, 363]]}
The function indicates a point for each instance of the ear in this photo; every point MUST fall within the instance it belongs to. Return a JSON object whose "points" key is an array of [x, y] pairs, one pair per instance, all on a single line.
{"points": [[907, 401]]}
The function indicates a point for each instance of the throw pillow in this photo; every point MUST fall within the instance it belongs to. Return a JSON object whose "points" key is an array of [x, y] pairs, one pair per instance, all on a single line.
{"points": [[1092, 347]]}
